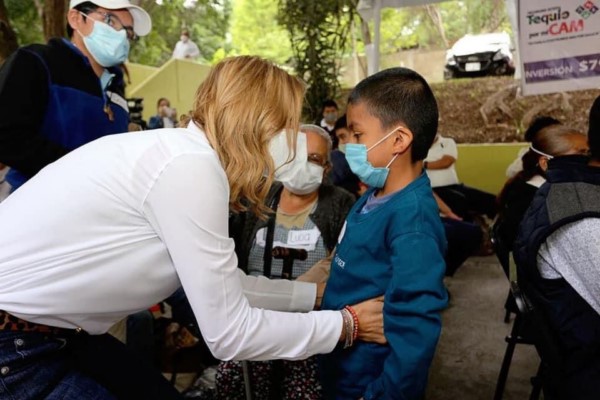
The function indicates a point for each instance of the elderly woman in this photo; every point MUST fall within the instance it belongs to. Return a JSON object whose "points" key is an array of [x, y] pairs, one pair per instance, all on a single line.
{"points": [[137, 217], [309, 215]]}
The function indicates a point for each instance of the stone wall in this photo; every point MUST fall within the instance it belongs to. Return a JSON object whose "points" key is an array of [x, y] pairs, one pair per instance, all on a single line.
{"points": [[429, 63]]}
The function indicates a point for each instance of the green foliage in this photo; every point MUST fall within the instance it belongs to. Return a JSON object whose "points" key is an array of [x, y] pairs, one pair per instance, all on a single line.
{"points": [[255, 31], [25, 21], [207, 21], [409, 27], [318, 30]]}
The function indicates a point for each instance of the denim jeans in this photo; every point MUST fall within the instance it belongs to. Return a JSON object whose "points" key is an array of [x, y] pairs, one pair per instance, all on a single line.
{"points": [[82, 367], [35, 366]]}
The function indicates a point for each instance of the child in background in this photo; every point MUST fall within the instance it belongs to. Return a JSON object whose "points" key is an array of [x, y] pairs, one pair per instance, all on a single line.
{"points": [[392, 244]]}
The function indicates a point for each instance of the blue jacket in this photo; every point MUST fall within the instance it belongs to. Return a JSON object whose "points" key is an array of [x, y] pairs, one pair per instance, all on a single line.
{"points": [[396, 249], [52, 103]]}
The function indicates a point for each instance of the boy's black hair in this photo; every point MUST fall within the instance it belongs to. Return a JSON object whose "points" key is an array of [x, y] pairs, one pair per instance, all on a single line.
{"points": [[340, 123], [538, 124], [329, 103], [85, 8], [400, 95], [594, 130]]}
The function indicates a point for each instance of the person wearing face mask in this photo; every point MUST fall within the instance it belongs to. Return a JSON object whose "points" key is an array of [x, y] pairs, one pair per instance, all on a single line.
{"points": [[309, 215], [392, 243], [140, 215], [166, 117], [62, 95], [329, 112], [185, 48], [341, 175], [518, 192]]}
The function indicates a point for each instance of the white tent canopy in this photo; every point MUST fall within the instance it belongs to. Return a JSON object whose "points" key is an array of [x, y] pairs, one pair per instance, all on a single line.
{"points": [[369, 9]]}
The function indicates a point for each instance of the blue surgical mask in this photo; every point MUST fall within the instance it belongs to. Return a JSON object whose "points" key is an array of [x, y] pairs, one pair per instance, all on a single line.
{"points": [[109, 47], [356, 155]]}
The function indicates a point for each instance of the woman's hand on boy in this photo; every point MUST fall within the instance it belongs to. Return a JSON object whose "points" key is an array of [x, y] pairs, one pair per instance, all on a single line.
{"points": [[370, 320]]}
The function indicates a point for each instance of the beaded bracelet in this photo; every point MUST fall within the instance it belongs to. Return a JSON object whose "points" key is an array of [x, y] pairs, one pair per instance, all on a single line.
{"points": [[355, 322], [348, 328]]}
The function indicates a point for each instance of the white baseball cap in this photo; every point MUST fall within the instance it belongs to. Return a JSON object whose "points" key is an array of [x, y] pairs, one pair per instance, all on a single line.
{"points": [[142, 24]]}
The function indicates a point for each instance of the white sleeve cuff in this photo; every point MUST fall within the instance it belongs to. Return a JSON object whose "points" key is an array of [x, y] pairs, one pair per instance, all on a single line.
{"points": [[278, 294]]}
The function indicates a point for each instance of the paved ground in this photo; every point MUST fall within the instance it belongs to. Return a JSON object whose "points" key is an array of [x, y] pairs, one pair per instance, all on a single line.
{"points": [[472, 344]]}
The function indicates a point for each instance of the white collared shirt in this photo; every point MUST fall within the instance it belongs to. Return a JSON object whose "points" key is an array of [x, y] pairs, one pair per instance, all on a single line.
{"points": [[440, 148], [120, 223], [185, 50]]}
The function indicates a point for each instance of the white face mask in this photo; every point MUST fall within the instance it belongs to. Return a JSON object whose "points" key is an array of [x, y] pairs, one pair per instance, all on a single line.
{"points": [[285, 170], [305, 182], [541, 153]]}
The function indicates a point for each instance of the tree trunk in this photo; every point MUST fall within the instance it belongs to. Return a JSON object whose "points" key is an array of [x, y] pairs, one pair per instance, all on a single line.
{"points": [[55, 21], [497, 16], [39, 7], [8, 37], [436, 18], [365, 31]]}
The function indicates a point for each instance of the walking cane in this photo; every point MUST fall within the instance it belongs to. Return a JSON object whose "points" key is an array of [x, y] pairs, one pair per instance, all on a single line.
{"points": [[247, 383]]}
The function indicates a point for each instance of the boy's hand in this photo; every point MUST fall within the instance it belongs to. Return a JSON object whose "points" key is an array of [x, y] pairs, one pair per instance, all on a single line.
{"points": [[370, 320], [449, 214]]}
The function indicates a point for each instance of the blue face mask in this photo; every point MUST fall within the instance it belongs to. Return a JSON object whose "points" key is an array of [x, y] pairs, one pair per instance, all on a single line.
{"points": [[108, 46], [356, 155]]}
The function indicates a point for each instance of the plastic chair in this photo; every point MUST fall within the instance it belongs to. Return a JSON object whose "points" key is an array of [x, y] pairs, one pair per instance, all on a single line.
{"points": [[502, 251], [521, 333], [546, 342], [521, 329]]}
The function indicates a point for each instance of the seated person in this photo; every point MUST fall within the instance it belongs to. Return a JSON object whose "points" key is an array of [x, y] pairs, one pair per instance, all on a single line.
{"points": [[464, 238], [557, 253], [341, 175], [464, 200], [540, 122], [309, 217], [166, 117], [517, 194]]}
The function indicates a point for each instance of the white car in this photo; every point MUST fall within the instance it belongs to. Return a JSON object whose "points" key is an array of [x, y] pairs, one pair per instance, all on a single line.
{"points": [[479, 55]]}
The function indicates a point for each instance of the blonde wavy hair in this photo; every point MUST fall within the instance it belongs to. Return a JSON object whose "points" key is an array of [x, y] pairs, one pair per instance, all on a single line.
{"points": [[242, 104]]}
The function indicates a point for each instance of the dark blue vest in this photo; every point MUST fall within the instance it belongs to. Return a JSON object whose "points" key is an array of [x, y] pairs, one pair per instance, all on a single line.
{"points": [[571, 193]]}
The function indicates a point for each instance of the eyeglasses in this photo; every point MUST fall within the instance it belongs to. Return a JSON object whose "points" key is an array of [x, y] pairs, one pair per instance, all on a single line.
{"points": [[317, 159], [114, 22]]}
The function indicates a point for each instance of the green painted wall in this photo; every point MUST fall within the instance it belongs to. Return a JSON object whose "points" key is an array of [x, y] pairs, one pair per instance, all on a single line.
{"points": [[177, 80], [138, 73], [483, 166]]}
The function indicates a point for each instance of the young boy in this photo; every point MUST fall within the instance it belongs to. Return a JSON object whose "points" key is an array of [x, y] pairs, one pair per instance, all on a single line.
{"points": [[392, 243]]}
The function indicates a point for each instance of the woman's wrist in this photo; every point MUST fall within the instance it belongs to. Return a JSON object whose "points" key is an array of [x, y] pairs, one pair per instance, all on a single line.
{"points": [[349, 326]]}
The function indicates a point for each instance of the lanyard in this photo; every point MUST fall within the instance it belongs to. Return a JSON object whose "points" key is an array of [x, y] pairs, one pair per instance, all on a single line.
{"points": [[268, 255]]}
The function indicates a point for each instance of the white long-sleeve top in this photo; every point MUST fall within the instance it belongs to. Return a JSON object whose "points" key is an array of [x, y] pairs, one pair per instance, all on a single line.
{"points": [[118, 224]]}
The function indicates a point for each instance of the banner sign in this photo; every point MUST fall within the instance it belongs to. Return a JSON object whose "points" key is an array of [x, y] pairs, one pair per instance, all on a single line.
{"points": [[559, 45]]}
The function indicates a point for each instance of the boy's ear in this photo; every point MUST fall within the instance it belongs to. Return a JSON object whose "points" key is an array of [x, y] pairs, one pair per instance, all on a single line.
{"points": [[404, 139]]}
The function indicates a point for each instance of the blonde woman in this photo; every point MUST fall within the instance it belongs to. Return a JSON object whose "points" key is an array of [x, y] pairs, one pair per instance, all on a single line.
{"points": [[137, 217]]}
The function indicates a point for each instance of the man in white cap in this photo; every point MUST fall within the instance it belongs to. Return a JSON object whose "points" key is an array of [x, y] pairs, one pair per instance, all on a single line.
{"points": [[62, 95]]}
